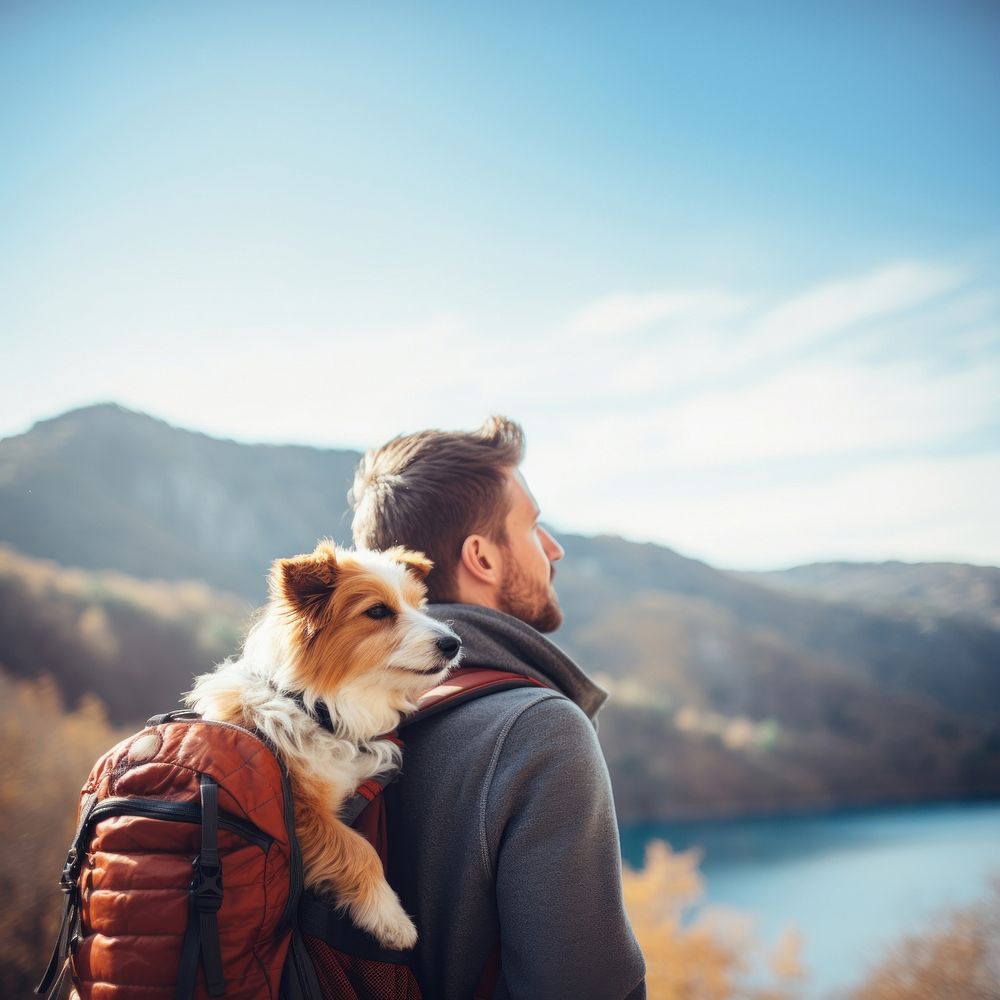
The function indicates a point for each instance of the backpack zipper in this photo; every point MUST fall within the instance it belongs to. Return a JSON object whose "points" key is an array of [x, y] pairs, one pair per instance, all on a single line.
{"points": [[181, 812], [295, 859]]}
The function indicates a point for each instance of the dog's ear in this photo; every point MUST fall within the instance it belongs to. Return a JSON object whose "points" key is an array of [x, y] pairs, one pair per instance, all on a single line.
{"points": [[306, 583], [415, 561]]}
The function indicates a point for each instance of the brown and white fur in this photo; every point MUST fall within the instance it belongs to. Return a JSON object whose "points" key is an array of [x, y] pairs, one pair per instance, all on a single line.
{"points": [[349, 629]]}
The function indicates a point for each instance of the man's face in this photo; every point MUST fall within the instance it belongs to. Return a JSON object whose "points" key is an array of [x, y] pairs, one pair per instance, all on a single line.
{"points": [[526, 589]]}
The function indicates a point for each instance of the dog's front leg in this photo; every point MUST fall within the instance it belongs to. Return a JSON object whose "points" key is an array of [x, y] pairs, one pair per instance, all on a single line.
{"points": [[340, 860]]}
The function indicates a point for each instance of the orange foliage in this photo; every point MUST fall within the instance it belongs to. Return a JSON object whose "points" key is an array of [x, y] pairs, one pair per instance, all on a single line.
{"points": [[45, 755], [694, 952], [957, 959]]}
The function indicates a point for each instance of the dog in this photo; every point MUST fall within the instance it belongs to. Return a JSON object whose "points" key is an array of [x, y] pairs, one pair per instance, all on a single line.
{"points": [[346, 630]]}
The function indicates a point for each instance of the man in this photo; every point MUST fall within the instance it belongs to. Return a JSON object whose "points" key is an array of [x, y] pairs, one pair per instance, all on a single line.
{"points": [[502, 833]]}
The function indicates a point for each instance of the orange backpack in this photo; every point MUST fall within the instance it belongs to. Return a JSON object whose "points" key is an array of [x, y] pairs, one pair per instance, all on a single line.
{"points": [[184, 878]]}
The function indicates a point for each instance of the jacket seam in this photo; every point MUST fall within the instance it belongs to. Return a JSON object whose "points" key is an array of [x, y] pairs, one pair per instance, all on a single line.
{"points": [[484, 846]]}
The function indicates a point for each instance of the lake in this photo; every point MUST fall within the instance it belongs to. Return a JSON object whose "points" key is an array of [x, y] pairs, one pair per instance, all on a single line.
{"points": [[851, 882]]}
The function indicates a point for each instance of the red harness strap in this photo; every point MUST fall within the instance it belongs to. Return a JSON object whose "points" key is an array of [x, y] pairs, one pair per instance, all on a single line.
{"points": [[367, 808], [464, 684]]}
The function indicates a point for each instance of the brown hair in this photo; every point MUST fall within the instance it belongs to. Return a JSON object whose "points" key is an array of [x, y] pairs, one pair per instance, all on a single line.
{"points": [[429, 491]]}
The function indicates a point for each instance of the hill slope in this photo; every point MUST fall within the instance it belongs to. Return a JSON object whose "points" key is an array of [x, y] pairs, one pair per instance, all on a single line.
{"points": [[729, 695], [106, 488], [952, 589], [136, 644]]}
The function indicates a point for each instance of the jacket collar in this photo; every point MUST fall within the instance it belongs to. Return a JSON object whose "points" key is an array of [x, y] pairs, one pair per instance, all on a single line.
{"points": [[494, 639]]}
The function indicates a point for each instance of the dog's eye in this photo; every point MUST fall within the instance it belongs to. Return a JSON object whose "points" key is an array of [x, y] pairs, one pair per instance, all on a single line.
{"points": [[378, 611]]}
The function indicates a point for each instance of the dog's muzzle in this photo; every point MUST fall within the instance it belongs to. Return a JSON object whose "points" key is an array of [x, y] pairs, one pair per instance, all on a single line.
{"points": [[449, 644]]}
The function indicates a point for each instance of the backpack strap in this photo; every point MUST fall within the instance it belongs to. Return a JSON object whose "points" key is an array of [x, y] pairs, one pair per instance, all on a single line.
{"points": [[491, 974], [69, 926], [367, 792], [201, 939], [465, 684]]}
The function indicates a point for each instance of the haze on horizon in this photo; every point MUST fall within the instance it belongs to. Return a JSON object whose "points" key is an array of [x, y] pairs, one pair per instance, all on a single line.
{"points": [[735, 273]]}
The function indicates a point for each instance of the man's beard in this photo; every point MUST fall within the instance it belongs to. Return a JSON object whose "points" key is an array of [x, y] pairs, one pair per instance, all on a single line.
{"points": [[535, 605]]}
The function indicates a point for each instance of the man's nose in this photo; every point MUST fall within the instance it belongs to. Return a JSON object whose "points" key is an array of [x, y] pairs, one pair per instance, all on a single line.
{"points": [[553, 549]]}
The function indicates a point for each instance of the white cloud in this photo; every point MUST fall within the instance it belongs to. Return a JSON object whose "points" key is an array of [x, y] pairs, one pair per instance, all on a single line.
{"points": [[702, 339], [840, 305], [926, 509], [911, 509], [629, 311], [745, 435], [764, 441], [820, 410]]}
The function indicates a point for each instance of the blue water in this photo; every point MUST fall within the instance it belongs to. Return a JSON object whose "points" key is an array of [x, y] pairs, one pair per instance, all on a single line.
{"points": [[849, 882]]}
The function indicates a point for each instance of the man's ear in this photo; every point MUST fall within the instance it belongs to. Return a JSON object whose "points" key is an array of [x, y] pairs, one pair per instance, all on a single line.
{"points": [[480, 557], [306, 583], [415, 561]]}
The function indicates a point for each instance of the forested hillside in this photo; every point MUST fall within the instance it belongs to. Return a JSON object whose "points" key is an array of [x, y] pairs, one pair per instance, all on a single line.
{"points": [[136, 552], [933, 588]]}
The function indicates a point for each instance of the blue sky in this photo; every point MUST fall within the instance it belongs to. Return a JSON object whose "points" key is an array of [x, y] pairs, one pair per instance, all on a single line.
{"points": [[733, 266]]}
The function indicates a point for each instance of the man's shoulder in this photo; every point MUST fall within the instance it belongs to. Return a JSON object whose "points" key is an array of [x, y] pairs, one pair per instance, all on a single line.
{"points": [[490, 715], [450, 757], [496, 709], [528, 719]]}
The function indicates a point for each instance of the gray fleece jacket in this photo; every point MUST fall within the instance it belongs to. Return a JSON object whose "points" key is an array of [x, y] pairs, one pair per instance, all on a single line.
{"points": [[502, 828]]}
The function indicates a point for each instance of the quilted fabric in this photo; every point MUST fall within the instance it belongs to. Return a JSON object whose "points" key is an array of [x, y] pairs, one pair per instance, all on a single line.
{"points": [[135, 880]]}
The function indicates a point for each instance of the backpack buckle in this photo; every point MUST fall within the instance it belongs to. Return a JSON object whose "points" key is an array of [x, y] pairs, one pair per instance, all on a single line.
{"points": [[206, 886], [67, 880]]}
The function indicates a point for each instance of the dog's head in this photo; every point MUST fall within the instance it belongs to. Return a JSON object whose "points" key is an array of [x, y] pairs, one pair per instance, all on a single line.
{"points": [[355, 620]]}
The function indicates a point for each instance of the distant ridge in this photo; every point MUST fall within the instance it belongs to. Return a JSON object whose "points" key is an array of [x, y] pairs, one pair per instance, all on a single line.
{"points": [[731, 693], [105, 487], [942, 588]]}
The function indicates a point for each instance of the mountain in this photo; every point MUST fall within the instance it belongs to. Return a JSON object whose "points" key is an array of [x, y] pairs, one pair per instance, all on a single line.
{"points": [[936, 589], [107, 488], [730, 695], [943, 656]]}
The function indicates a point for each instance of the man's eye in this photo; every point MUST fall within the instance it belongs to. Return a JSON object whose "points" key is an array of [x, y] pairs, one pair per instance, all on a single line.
{"points": [[378, 611]]}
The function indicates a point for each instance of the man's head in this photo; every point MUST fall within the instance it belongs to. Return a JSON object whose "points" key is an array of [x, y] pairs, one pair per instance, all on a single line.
{"points": [[459, 497]]}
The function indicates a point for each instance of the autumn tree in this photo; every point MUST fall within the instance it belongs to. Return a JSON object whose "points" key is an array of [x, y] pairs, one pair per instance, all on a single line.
{"points": [[958, 958], [45, 756], [695, 952]]}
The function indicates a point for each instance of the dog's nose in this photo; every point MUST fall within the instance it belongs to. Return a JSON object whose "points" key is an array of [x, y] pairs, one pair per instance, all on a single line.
{"points": [[449, 645]]}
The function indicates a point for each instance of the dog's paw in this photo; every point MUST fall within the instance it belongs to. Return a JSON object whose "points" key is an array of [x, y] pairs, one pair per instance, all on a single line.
{"points": [[386, 920], [397, 935]]}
